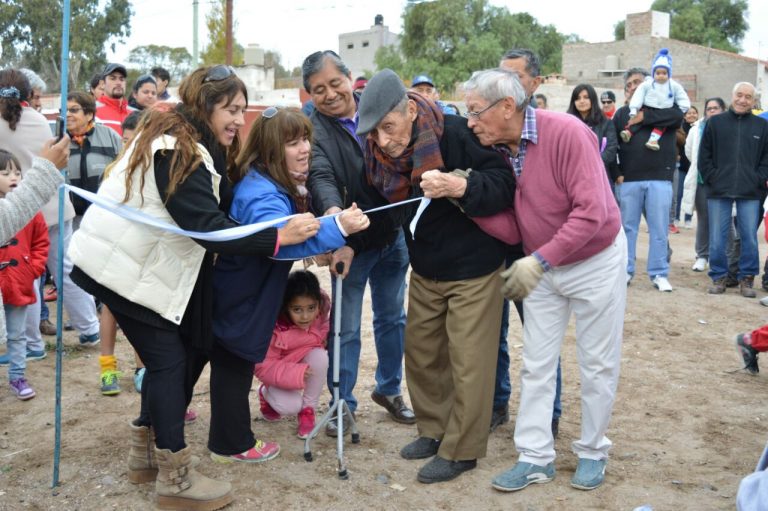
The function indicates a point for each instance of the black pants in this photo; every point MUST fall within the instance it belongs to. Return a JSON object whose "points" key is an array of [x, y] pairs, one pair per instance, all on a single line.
{"points": [[172, 368], [231, 380]]}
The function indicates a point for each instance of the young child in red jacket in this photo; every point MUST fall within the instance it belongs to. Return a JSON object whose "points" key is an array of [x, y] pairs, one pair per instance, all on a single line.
{"points": [[22, 260], [294, 370]]}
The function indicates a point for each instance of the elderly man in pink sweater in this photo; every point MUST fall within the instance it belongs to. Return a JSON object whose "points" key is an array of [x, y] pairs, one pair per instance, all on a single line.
{"points": [[576, 253]]}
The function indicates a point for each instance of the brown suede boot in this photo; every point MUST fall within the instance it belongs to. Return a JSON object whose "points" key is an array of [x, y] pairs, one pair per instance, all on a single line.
{"points": [[142, 467], [745, 287], [179, 486]]}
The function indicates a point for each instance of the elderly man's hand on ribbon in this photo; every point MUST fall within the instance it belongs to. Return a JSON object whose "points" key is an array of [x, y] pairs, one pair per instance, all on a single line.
{"points": [[436, 184], [521, 278]]}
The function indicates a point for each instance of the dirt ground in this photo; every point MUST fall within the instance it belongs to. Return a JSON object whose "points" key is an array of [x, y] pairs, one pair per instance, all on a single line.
{"points": [[687, 425]]}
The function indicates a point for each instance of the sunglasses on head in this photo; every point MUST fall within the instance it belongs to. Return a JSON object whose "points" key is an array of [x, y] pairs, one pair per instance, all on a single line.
{"points": [[218, 73]]}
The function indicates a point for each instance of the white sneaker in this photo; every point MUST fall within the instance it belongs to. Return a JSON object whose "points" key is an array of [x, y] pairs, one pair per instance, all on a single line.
{"points": [[688, 224], [764, 301], [662, 284], [700, 264]]}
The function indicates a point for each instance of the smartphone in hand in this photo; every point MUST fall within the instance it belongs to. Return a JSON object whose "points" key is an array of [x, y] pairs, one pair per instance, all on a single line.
{"points": [[59, 128]]}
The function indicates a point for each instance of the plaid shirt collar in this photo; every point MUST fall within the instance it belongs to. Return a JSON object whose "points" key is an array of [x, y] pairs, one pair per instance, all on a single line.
{"points": [[529, 134]]}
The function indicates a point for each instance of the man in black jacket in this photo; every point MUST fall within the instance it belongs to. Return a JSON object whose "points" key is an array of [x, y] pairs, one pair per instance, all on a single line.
{"points": [[733, 163], [454, 306], [645, 180], [379, 256]]}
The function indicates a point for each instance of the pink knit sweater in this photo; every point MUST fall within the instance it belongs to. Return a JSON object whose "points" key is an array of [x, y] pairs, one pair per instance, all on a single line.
{"points": [[564, 208]]}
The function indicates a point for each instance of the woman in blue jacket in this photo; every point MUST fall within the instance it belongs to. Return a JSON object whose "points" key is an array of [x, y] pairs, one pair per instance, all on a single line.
{"points": [[269, 177]]}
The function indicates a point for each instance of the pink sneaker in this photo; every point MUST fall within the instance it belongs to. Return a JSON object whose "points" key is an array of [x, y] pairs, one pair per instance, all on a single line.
{"points": [[21, 389], [306, 421], [262, 451], [190, 416], [267, 411]]}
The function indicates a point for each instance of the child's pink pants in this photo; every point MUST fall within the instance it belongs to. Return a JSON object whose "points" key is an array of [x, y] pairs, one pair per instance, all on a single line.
{"points": [[291, 402]]}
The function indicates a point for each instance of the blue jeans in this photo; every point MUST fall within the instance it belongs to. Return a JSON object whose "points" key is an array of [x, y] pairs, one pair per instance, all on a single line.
{"points": [[747, 217], [44, 312], [655, 197], [385, 269], [15, 324], [503, 389]]}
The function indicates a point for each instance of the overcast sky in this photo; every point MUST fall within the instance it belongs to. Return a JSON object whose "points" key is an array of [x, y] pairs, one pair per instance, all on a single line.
{"points": [[297, 28]]}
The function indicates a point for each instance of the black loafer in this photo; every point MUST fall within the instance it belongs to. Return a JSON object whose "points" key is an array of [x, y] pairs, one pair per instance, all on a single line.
{"points": [[396, 408], [420, 449], [439, 470]]}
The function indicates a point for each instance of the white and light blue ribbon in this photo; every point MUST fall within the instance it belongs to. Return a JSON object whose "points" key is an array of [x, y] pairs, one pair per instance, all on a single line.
{"points": [[232, 233]]}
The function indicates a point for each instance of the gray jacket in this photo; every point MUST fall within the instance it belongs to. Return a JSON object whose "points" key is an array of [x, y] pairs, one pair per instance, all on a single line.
{"points": [[87, 162]]}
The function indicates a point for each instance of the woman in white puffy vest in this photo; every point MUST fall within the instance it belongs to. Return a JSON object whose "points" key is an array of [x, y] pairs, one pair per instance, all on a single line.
{"points": [[157, 284]]}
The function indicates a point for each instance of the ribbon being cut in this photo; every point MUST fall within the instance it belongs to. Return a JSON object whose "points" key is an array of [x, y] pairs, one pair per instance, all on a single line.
{"points": [[233, 233]]}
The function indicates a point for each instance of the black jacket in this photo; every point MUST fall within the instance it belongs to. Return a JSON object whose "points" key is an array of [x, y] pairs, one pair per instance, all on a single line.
{"points": [[337, 178], [733, 156], [448, 245], [606, 130], [637, 162]]}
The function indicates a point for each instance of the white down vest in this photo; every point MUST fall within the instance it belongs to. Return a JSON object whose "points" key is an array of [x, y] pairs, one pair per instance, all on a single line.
{"points": [[143, 264]]}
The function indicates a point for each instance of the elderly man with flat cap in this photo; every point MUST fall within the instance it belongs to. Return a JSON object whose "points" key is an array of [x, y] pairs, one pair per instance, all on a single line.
{"points": [[454, 311], [576, 250]]}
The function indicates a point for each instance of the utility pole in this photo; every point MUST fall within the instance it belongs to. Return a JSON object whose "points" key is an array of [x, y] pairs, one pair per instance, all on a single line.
{"points": [[195, 43], [229, 32]]}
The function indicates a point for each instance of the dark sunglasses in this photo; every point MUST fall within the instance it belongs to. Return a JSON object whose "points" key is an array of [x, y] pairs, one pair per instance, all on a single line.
{"points": [[218, 73], [269, 112], [606, 102]]}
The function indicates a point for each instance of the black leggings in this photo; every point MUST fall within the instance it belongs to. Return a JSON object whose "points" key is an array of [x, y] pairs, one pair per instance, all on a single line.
{"points": [[173, 367]]}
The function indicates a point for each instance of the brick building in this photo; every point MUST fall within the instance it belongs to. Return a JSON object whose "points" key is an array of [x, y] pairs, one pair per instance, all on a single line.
{"points": [[358, 49], [704, 72]]}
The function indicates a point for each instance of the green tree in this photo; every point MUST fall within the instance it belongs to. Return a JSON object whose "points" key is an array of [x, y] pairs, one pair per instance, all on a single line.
{"points": [[719, 24], [449, 39], [216, 50], [30, 31], [177, 61]]}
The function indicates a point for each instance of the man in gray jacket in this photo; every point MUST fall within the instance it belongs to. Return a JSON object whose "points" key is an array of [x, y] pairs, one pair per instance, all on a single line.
{"points": [[378, 257]]}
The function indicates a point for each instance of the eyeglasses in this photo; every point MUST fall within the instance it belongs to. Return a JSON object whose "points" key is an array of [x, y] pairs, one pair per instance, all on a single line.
{"points": [[607, 102], [269, 112], [218, 73], [476, 115], [713, 109]]}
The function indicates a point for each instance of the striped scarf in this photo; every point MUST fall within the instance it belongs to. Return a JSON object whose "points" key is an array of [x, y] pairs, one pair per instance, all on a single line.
{"points": [[394, 177]]}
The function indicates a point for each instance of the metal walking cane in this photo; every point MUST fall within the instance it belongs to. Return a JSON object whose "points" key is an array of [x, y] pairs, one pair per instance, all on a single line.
{"points": [[338, 404]]}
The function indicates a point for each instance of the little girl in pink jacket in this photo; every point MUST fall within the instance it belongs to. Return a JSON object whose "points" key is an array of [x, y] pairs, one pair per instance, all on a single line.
{"points": [[293, 372]]}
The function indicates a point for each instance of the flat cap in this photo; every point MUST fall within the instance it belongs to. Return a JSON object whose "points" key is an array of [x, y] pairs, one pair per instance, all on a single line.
{"points": [[111, 68], [382, 94]]}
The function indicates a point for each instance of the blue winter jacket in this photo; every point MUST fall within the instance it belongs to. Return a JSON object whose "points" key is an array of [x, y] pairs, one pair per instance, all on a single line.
{"points": [[248, 290]]}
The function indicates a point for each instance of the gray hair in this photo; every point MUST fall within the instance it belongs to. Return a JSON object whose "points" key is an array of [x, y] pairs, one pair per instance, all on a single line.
{"points": [[532, 65], [635, 71], [496, 84], [754, 89], [35, 82], [314, 63]]}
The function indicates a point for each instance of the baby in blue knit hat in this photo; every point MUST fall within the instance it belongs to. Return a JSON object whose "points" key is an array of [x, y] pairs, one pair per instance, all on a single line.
{"points": [[657, 91]]}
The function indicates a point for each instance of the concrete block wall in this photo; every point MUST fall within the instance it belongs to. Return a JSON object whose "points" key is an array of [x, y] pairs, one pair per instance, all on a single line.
{"points": [[704, 72]]}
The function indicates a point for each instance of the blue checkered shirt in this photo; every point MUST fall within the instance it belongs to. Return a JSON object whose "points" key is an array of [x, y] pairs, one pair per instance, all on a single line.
{"points": [[529, 134]]}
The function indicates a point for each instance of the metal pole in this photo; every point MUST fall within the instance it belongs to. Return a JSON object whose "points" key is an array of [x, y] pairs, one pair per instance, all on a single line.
{"points": [[195, 42], [229, 32], [60, 261]]}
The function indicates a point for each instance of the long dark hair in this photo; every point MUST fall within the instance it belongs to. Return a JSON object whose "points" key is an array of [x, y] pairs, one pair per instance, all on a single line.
{"points": [[189, 123], [10, 107], [595, 115]]}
